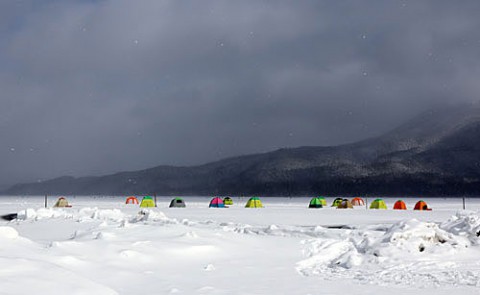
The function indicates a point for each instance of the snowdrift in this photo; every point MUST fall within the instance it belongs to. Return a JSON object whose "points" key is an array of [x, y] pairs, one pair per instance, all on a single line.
{"points": [[409, 252], [82, 247]]}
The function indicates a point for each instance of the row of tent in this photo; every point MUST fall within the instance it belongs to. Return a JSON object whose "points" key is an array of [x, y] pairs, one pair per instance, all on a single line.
{"points": [[216, 202], [254, 202], [340, 203], [148, 201]]}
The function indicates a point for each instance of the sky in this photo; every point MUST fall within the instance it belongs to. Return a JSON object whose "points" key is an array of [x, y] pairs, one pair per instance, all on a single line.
{"points": [[95, 87]]}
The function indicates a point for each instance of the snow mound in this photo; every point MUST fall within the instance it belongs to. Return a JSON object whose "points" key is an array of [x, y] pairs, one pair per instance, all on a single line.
{"points": [[275, 230], [409, 252], [101, 214], [83, 214], [465, 224], [209, 267], [8, 233], [44, 213], [95, 214], [26, 269], [417, 239], [151, 215]]}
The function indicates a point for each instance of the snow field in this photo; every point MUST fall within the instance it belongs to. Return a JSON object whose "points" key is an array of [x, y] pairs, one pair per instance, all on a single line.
{"points": [[102, 246]]}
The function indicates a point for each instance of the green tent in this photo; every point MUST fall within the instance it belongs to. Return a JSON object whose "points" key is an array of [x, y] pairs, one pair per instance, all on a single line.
{"points": [[315, 203], [378, 204], [337, 202]]}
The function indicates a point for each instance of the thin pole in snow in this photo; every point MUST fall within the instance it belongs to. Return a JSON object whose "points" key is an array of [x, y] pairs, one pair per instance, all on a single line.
{"points": [[45, 200], [366, 203], [464, 203], [155, 195]]}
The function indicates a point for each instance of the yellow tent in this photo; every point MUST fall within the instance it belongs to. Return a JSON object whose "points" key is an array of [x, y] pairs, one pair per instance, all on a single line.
{"points": [[323, 201], [228, 201], [62, 203], [147, 202], [254, 203], [378, 204], [345, 204]]}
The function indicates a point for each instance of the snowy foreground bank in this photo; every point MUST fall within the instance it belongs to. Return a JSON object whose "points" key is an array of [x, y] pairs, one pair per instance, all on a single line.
{"points": [[102, 246]]}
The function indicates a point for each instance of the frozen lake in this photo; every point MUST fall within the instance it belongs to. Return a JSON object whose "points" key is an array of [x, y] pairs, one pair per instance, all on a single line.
{"points": [[103, 246]]}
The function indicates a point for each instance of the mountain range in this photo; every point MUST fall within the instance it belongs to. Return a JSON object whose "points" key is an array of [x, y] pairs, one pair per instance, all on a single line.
{"points": [[435, 154]]}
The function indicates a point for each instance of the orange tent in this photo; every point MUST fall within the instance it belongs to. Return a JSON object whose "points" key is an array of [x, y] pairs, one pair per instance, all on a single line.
{"points": [[358, 202], [131, 200], [399, 205], [421, 205]]}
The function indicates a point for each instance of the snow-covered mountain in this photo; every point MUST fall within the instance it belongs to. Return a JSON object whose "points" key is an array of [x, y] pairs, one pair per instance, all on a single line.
{"points": [[436, 153]]}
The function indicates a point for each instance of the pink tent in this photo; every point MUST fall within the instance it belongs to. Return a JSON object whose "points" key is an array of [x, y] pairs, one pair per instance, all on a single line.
{"points": [[216, 203]]}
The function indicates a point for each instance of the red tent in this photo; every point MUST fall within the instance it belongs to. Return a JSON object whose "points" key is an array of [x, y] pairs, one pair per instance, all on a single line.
{"points": [[399, 205], [421, 205], [131, 200]]}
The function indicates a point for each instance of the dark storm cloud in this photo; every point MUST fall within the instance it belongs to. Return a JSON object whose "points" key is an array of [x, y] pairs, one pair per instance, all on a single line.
{"points": [[93, 87]]}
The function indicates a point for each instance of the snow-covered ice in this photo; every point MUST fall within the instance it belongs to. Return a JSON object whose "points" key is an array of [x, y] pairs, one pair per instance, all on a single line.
{"points": [[102, 246]]}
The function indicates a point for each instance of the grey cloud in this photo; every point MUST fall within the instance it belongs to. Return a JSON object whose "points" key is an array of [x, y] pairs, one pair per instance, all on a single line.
{"points": [[92, 87]]}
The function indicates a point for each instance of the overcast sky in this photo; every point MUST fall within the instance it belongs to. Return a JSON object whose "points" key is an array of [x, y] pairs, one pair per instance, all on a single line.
{"points": [[94, 87]]}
